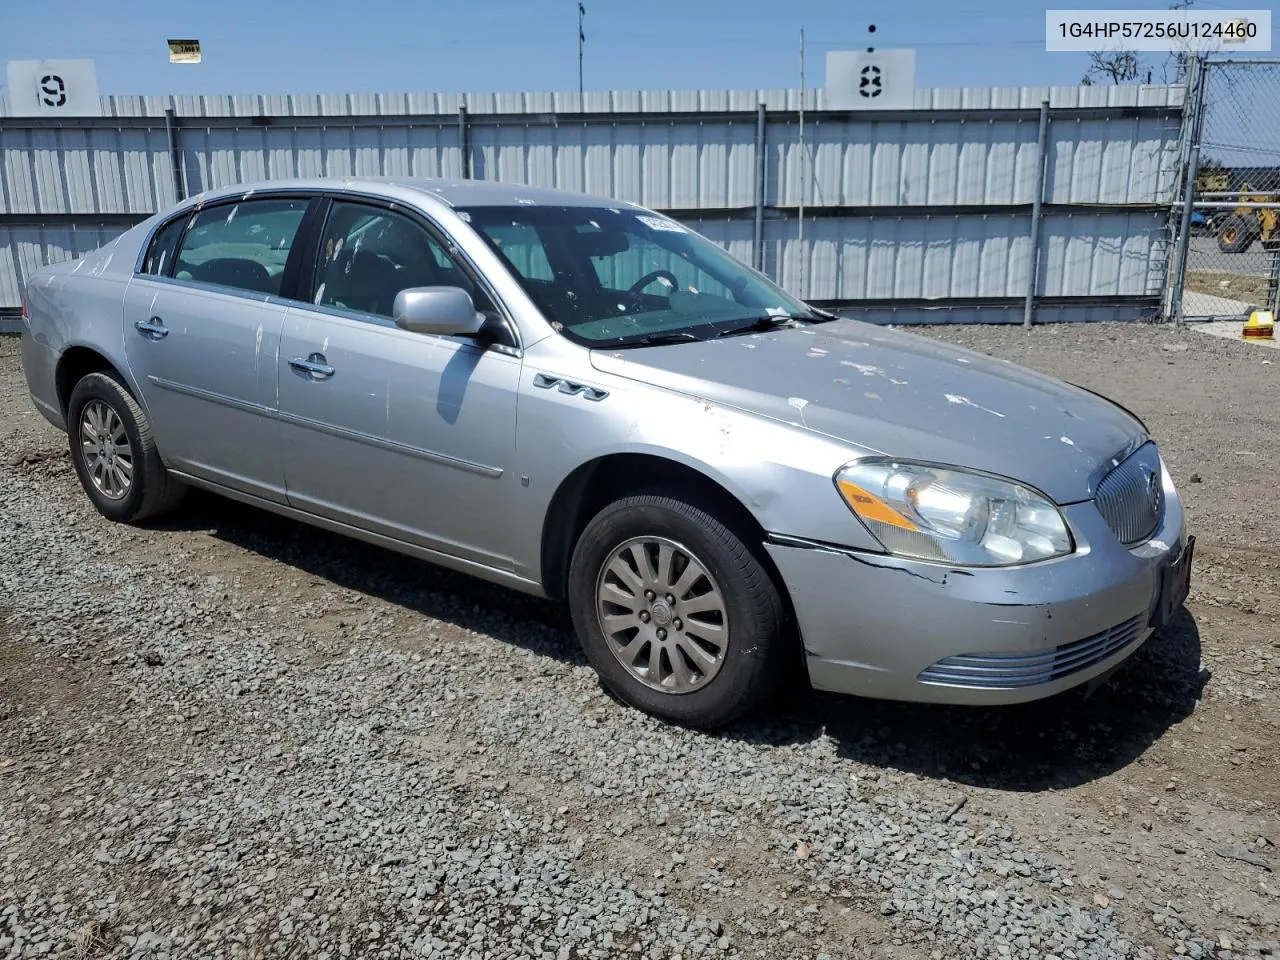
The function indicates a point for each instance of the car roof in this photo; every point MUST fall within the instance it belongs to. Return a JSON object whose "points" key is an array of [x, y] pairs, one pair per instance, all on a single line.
{"points": [[455, 193]]}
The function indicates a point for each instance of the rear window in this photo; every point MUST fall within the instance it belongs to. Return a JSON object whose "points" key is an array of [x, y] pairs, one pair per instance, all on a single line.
{"points": [[163, 244]]}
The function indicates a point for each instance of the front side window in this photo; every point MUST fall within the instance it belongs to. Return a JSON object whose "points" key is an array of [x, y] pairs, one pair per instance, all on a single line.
{"points": [[244, 245], [163, 245], [369, 254], [613, 277]]}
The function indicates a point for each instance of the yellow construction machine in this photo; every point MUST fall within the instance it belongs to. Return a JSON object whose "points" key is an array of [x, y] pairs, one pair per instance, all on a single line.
{"points": [[1241, 226], [1212, 179]]}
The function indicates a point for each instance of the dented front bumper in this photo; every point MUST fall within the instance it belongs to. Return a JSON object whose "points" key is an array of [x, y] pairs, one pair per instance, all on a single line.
{"points": [[882, 626]]}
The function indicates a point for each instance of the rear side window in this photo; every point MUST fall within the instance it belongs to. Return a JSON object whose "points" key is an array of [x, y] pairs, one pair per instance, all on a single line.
{"points": [[163, 245], [244, 245]]}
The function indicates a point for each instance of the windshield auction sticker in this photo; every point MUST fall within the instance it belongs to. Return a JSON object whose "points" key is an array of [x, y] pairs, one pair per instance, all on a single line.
{"points": [[1190, 30]]}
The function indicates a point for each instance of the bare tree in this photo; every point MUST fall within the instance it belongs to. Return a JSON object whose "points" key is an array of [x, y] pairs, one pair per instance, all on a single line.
{"points": [[1124, 66], [1120, 66]]}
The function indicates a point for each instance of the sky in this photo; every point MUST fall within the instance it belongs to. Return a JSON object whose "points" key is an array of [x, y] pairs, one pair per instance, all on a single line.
{"points": [[369, 46]]}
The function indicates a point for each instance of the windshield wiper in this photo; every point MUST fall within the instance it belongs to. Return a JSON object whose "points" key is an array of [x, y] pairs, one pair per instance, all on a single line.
{"points": [[755, 325], [760, 324], [657, 339]]}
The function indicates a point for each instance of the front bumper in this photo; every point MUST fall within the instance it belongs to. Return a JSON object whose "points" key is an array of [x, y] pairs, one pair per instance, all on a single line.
{"points": [[880, 626]]}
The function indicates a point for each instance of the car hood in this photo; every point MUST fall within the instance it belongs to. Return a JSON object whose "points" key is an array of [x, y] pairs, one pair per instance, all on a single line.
{"points": [[901, 395]]}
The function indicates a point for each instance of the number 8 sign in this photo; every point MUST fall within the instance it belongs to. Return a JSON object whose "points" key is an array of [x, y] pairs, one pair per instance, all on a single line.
{"points": [[870, 85], [870, 80]]}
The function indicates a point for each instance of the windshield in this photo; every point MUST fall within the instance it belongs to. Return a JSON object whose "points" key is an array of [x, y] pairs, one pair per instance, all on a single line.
{"points": [[618, 277]]}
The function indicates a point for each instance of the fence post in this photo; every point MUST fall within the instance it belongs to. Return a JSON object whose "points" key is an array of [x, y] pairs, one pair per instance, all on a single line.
{"points": [[175, 153], [1184, 234], [1037, 203], [757, 241], [1273, 281], [1195, 127], [464, 142]]}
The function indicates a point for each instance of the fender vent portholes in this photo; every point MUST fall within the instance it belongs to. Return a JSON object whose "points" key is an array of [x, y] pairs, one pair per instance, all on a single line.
{"points": [[566, 386]]}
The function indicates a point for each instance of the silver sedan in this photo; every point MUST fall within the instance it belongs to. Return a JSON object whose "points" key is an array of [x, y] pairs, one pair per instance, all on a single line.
{"points": [[580, 398]]}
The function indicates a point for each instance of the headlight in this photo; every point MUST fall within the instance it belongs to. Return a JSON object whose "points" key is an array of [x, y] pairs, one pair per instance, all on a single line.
{"points": [[935, 513]]}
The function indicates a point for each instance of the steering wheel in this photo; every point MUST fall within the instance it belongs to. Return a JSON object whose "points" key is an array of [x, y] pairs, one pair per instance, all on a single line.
{"points": [[651, 276]]}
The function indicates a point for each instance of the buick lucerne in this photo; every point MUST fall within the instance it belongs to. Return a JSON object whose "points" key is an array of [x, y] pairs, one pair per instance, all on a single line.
{"points": [[580, 398]]}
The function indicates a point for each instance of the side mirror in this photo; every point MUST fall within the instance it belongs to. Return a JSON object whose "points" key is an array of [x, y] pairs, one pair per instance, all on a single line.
{"points": [[440, 310]]}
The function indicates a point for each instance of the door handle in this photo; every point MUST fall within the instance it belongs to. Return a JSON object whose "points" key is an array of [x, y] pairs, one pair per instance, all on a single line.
{"points": [[153, 329], [314, 366]]}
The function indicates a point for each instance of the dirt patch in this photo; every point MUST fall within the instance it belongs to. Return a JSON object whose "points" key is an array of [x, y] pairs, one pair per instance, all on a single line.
{"points": [[1233, 286], [36, 684]]}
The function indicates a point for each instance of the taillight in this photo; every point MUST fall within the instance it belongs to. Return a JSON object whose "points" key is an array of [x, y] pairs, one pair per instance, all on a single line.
{"points": [[26, 313]]}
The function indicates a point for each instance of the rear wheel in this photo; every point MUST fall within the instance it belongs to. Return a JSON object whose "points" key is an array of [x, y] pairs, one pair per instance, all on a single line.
{"points": [[676, 612], [1237, 234], [115, 455]]}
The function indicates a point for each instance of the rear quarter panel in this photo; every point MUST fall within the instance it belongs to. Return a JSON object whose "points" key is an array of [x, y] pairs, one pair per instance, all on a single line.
{"points": [[77, 304]]}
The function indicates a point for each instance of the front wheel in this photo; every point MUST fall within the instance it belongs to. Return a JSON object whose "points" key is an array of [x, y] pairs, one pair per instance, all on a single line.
{"points": [[676, 613], [1237, 234]]}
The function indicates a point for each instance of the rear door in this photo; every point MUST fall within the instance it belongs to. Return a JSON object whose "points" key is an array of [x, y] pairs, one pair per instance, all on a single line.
{"points": [[406, 434], [202, 332]]}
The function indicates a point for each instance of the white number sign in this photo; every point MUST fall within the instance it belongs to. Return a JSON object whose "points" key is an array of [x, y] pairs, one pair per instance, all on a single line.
{"points": [[53, 88], [880, 80]]}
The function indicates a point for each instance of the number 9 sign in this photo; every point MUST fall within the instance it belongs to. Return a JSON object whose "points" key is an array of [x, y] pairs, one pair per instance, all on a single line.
{"points": [[53, 90], [59, 88]]}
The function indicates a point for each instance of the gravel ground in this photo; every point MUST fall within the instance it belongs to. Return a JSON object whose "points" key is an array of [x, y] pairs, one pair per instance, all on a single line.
{"points": [[234, 736]]}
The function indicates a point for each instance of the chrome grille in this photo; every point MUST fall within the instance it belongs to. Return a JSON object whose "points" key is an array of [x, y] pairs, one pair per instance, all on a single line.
{"points": [[1131, 497], [1009, 671]]}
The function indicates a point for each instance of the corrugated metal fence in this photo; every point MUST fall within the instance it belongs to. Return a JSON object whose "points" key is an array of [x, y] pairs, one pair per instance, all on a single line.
{"points": [[916, 215]]}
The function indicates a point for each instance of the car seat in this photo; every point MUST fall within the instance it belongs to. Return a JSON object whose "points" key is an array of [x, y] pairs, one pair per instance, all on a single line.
{"points": [[236, 272]]}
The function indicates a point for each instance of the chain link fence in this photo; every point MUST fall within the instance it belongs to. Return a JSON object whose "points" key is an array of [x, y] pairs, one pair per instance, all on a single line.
{"points": [[1231, 247]]}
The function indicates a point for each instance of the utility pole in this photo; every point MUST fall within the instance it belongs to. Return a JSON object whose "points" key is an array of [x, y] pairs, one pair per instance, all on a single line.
{"points": [[582, 39], [804, 183], [1182, 60]]}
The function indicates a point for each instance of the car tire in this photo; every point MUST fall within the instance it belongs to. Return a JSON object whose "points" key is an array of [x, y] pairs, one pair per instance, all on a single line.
{"points": [[682, 668], [114, 453], [1237, 233]]}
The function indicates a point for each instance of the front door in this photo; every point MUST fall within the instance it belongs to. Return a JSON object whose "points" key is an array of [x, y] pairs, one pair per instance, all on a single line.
{"points": [[405, 434], [202, 331]]}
